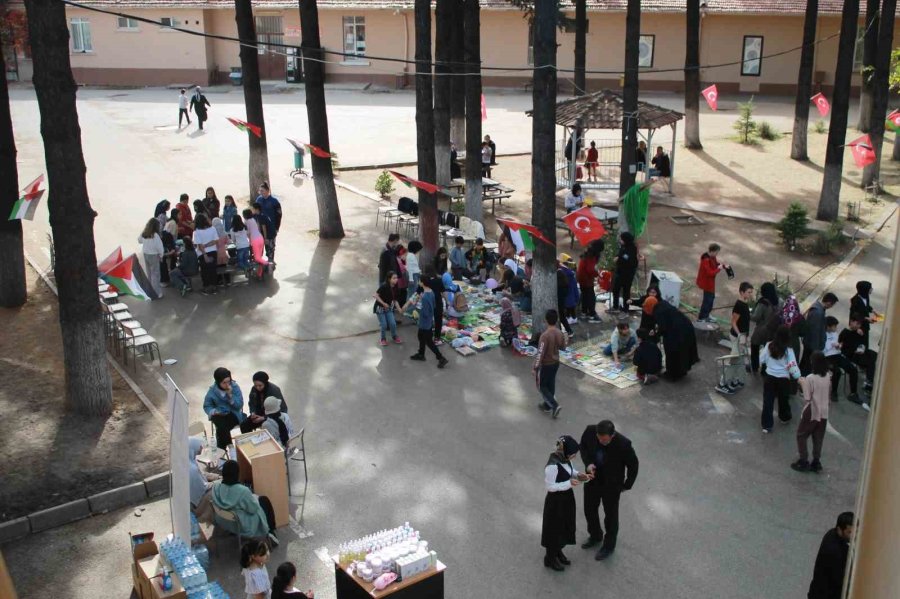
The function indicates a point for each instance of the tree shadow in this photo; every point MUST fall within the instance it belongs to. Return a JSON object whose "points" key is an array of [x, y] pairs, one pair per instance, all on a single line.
{"points": [[726, 171], [197, 133], [821, 170]]}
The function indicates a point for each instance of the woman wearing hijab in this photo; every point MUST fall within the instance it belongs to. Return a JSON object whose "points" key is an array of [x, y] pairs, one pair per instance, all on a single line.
{"points": [[199, 483], [679, 340], [255, 513], [278, 423], [767, 318], [626, 268], [558, 529], [861, 304], [510, 319], [647, 320]]}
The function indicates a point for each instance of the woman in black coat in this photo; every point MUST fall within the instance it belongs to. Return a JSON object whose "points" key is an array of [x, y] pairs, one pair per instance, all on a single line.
{"points": [[626, 268], [679, 340], [558, 529]]}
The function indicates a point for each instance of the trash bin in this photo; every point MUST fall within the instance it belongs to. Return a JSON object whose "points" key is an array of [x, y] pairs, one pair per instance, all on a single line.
{"points": [[669, 285], [298, 160], [235, 76]]}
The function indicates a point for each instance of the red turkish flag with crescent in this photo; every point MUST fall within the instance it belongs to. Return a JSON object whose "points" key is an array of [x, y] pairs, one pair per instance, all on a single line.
{"points": [[821, 104], [584, 225], [863, 152], [711, 94]]}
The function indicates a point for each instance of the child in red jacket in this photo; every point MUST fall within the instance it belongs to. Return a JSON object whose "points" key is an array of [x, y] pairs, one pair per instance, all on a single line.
{"points": [[706, 280]]}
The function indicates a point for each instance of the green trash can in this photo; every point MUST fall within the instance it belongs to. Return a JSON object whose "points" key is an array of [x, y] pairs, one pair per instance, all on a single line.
{"points": [[298, 160]]}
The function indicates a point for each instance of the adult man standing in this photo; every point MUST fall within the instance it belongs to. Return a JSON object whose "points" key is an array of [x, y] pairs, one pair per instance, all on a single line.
{"points": [[814, 335], [609, 456], [388, 261], [828, 573], [271, 207], [198, 105]]}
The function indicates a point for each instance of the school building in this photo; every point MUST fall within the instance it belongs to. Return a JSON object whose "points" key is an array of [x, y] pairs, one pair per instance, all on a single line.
{"points": [[746, 35]]}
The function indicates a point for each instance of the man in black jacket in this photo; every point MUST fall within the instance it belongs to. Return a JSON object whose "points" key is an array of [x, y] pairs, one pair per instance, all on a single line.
{"points": [[387, 261], [828, 574], [609, 456], [814, 333]]}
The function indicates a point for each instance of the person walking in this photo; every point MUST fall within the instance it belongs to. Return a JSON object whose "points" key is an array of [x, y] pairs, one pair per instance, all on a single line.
{"points": [[610, 459], [271, 207], [781, 367], [183, 108], [831, 561], [198, 105], [766, 316], [426, 325], [626, 268], [814, 331], [154, 252], [560, 478], [814, 415], [546, 364]]}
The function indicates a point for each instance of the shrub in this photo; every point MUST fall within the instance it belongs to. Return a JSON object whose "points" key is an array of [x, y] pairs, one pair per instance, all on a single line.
{"points": [[820, 127], [829, 239], [768, 132], [745, 125], [384, 184], [795, 225]]}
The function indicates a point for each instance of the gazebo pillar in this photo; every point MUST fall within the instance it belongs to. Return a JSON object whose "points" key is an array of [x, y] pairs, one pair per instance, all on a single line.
{"points": [[672, 159]]}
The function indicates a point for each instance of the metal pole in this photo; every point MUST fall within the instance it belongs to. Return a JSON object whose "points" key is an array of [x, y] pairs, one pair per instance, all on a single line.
{"points": [[573, 166], [672, 159]]}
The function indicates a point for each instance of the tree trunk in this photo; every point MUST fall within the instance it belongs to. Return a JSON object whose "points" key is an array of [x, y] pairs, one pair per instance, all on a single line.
{"points": [[804, 83], [88, 386], [443, 17], [330, 226], [543, 176], [457, 82], [829, 200], [870, 49], [259, 155], [428, 218], [880, 88], [580, 48], [692, 78], [630, 98], [472, 21], [12, 267]]}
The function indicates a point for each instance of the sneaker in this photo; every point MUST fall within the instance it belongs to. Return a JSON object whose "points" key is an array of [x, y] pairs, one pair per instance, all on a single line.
{"points": [[572, 320], [556, 412], [766, 431], [867, 386], [815, 466], [595, 318], [650, 379], [273, 539], [865, 407], [442, 361], [788, 421], [438, 342], [397, 340], [184, 291], [725, 389], [543, 407], [417, 357], [802, 466], [383, 342]]}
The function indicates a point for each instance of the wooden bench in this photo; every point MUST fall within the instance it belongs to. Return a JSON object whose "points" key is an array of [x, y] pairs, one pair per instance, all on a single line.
{"points": [[494, 198]]}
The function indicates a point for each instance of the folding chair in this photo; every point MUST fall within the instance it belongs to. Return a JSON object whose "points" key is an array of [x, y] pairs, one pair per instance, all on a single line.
{"points": [[198, 429], [296, 452], [229, 516], [138, 342]]}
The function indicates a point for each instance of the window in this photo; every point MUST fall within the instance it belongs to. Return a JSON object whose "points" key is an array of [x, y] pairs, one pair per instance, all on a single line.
{"points": [[126, 23], [81, 35], [166, 22], [646, 45], [530, 44], [354, 37], [751, 65], [858, 49]]}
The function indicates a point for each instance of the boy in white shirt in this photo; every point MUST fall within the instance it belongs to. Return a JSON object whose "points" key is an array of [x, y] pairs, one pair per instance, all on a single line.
{"points": [[183, 108]]}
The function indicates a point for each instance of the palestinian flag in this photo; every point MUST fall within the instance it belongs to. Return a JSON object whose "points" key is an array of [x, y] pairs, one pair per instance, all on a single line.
{"points": [[410, 182], [107, 263], [126, 277], [314, 150], [245, 126], [523, 235], [893, 121], [25, 206]]}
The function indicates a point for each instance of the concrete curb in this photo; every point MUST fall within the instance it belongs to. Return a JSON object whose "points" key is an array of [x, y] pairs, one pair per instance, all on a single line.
{"points": [[371, 167], [59, 515], [113, 499]]}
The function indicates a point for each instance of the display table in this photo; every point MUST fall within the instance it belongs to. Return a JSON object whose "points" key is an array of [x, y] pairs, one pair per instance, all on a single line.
{"points": [[262, 463], [425, 585]]}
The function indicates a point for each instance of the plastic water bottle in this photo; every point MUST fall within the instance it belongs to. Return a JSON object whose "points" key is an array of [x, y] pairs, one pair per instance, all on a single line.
{"points": [[166, 580]]}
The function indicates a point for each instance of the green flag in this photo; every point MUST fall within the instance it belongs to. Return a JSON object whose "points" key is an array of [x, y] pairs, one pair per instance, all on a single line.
{"points": [[635, 205]]}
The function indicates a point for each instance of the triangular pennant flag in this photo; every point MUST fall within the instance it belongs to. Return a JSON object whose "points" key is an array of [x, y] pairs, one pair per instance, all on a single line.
{"points": [[893, 121], [297, 145], [25, 206], [863, 152], [245, 126], [122, 278], [34, 185], [711, 94], [584, 225], [483, 108], [410, 182], [523, 235], [821, 104], [107, 263]]}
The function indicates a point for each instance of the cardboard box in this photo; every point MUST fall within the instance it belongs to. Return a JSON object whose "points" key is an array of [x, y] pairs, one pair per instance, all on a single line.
{"points": [[145, 568]]}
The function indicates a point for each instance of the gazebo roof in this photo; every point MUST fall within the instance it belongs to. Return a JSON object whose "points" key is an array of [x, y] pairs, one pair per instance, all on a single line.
{"points": [[603, 110]]}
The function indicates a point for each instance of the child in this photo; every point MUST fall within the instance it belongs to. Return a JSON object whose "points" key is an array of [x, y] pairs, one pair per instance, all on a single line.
{"points": [[546, 364], [240, 239], [510, 319], [267, 229], [487, 158], [386, 301], [412, 264], [458, 264], [706, 280], [740, 334], [575, 199], [854, 353], [257, 241], [814, 415], [647, 358], [188, 266], [254, 555], [781, 367], [229, 211], [591, 160], [221, 251], [622, 343], [479, 262], [426, 324], [832, 353], [283, 583]]}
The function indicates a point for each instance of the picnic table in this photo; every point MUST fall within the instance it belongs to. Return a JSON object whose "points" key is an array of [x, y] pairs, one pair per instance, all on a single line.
{"points": [[492, 191]]}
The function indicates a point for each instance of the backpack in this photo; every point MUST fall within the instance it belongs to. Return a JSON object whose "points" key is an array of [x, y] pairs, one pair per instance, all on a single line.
{"points": [[790, 312], [460, 304]]}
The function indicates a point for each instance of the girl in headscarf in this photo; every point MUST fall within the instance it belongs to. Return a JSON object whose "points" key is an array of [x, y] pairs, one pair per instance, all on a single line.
{"points": [[647, 320], [510, 319], [256, 514], [199, 483], [560, 476], [861, 304], [767, 319], [679, 339]]}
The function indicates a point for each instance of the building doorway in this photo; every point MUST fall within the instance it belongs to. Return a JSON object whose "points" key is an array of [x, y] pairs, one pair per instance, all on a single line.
{"points": [[271, 58]]}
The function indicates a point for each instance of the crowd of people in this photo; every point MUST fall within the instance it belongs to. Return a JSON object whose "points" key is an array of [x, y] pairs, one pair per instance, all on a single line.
{"points": [[212, 240]]}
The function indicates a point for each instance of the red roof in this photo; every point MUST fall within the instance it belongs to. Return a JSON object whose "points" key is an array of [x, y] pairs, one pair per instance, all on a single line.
{"points": [[760, 7]]}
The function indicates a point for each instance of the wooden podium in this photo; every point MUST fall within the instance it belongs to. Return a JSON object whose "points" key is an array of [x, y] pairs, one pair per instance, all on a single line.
{"points": [[262, 463]]}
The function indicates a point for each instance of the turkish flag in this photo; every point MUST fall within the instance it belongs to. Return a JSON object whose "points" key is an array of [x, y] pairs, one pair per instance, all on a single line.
{"points": [[863, 152], [584, 225], [893, 121], [822, 104], [711, 94]]}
